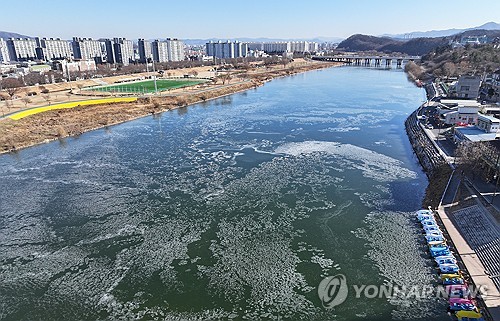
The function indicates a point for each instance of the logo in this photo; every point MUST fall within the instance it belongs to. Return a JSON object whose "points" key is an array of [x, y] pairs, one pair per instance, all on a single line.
{"points": [[333, 291]]}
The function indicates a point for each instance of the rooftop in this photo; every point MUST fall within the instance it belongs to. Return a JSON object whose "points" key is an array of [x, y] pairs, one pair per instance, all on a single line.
{"points": [[460, 102], [490, 118], [475, 134]]}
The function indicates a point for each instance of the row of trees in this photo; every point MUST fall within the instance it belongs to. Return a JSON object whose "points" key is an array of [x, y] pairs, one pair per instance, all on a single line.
{"points": [[481, 159]]}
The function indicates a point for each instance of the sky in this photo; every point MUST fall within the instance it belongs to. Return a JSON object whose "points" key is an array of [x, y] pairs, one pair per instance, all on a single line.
{"points": [[202, 19]]}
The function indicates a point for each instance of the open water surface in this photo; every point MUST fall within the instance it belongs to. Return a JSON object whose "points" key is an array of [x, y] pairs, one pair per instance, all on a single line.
{"points": [[236, 208]]}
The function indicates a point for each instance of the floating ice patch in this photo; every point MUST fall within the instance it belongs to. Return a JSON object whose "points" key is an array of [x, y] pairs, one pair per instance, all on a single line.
{"points": [[395, 250], [340, 129], [373, 165]]}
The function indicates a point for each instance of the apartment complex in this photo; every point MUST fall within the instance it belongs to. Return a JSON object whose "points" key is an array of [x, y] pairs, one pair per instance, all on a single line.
{"points": [[226, 49], [21, 49], [290, 46]]}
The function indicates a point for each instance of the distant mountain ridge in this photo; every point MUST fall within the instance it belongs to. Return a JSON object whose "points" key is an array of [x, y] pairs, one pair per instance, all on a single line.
{"points": [[441, 33], [7, 35]]}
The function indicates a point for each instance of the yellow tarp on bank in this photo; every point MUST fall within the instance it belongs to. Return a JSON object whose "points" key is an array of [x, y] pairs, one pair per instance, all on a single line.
{"points": [[73, 104]]}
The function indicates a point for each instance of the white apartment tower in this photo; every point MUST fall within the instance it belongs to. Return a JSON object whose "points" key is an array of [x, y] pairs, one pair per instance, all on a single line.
{"points": [[226, 49], [21, 49], [4, 52], [145, 50], [175, 48], [160, 51], [123, 50], [53, 48], [86, 48]]}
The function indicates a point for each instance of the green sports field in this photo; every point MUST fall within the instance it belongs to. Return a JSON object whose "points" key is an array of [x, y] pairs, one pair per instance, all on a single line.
{"points": [[147, 86]]}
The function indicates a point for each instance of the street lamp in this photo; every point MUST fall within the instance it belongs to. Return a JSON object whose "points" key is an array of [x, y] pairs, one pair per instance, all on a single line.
{"points": [[154, 77]]}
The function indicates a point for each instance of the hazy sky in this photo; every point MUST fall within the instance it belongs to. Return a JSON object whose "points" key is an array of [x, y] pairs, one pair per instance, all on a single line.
{"points": [[235, 18]]}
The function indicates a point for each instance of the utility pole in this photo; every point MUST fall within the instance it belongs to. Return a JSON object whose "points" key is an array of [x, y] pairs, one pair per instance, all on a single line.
{"points": [[154, 75]]}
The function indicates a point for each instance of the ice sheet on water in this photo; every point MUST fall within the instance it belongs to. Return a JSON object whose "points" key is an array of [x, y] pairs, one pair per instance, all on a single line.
{"points": [[393, 238], [373, 165], [340, 129]]}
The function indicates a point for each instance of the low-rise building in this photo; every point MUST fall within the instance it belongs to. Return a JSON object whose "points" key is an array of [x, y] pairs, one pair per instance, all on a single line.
{"points": [[76, 66], [468, 87], [459, 112], [488, 124], [472, 134]]}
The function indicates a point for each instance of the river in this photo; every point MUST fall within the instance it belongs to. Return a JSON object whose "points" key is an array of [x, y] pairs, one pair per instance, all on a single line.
{"points": [[235, 208]]}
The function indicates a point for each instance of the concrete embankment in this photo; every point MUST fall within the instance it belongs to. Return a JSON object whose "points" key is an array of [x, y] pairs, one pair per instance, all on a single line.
{"points": [[434, 165]]}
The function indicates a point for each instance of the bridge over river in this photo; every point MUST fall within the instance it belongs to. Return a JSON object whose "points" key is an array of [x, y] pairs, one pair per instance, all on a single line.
{"points": [[359, 60]]}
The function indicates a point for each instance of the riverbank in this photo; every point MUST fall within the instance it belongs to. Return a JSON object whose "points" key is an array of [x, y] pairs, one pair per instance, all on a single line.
{"points": [[468, 223], [435, 167], [58, 124]]}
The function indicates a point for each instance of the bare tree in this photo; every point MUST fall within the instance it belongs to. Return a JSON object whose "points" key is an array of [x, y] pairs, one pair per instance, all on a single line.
{"points": [[285, 61], [12, 86], [225, 77], [80, 86], [46, 97], [8, 104], [413, 70], [26, 100], [478, 158], [449, 69]]}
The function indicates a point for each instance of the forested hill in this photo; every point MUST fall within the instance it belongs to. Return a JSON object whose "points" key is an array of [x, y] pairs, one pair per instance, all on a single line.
{"points": [[416, 46]]}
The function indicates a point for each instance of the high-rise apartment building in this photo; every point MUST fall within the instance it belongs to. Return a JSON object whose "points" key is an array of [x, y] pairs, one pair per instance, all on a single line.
{"points": [[109, 51], [277, 47], [145, 52], [175, 49], [160, 51], [4, 52], [21, 49], [86, 48], [51, 49], [226, 49], [124, 51]]}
